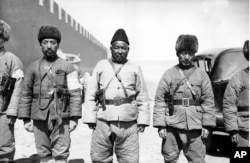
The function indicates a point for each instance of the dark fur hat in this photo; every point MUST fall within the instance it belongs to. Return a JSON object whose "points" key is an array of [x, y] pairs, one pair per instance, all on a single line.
{"points": [[186, 43], [4, 30], [49, 32], [120, 35], [246, 49]]}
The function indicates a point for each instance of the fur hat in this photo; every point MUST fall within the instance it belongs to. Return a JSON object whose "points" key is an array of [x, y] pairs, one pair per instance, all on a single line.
{"points": [[120, 35], [49, 32], [4, 30], [186, 43], [246, 49]]}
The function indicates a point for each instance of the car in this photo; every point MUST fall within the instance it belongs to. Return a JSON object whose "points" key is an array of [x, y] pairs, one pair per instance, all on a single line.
{"points": [[220, 64]]}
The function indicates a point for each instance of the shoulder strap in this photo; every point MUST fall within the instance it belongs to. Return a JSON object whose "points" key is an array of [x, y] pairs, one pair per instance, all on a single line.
{"points": [[118, 77], [186, 79]]}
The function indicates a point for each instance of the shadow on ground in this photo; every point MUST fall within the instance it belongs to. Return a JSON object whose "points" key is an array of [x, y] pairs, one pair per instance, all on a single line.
{"points": [[36, 159]]}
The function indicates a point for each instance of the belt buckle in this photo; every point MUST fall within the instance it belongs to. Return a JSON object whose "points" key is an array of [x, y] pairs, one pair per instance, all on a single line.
{"points": [[185, 102], [117, 102]]}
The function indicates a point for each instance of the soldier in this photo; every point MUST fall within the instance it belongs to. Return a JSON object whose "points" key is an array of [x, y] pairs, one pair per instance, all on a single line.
{"points": [[51, 98], [116, 106], [184, 106], [11, 77], [236, 105]]}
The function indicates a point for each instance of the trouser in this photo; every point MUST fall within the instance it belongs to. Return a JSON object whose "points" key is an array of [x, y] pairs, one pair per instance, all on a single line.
{"points": [[52, 142], [122, 137], [188, 141], [243, 139], [7, 140]]}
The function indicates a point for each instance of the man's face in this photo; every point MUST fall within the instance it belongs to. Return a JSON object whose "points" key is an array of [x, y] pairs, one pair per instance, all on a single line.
{"points": [[119, 51], [49, 48], [186, 58]]}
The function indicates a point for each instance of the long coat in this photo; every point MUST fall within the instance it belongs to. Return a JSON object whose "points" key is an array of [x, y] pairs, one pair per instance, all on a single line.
{"points": [[236, 97], [12, 65], [38, 108], [184, 117], [132, 78]]}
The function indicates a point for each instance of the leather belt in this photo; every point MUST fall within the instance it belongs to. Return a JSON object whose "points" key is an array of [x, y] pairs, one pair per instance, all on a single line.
{"points": [[44, 95], [186, 102], [120, 101], [243, 108]]}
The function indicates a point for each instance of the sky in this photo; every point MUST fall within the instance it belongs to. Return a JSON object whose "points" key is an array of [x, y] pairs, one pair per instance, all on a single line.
{"points": [[153, 26]]}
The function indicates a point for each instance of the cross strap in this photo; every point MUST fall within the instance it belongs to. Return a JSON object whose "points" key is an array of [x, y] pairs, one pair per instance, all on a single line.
{"points": [[186, 80], [118, 76]]}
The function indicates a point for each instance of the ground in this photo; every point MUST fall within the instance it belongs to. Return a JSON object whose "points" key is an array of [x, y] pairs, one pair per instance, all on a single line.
{"points": [[150, 144]]}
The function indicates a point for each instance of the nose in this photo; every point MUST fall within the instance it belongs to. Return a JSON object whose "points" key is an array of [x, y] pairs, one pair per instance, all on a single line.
{"points": [[49, 45]]}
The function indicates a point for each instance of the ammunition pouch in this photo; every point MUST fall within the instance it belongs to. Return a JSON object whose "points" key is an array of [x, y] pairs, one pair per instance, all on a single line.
{"points": [[100, 97], [7, 85]]}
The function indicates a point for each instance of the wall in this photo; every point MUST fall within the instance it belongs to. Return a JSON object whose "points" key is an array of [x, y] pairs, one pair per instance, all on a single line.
{"points": [[26, 17]]}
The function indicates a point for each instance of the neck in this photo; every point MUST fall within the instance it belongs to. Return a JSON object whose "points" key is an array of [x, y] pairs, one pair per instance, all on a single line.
{"points": [[122, 62], [2, 49], [50, 59], [185, 67]]}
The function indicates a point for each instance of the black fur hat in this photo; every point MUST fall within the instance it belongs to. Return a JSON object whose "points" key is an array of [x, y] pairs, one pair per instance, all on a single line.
{"points": [[120, 35], [186, 43], [246, 49], [49, 32]]}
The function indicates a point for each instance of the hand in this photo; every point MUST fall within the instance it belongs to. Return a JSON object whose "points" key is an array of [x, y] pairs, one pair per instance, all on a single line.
{"points": [[28, 125], [73, 124], [234, 137], [92, 125], [204, 133], [11, 120], [141, 127], [162, 131]]}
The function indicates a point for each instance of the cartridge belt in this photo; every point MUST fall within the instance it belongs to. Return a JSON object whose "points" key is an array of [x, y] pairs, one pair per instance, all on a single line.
{"points": [[120, 101], [186, 102], [44, 95], [242, 108]]}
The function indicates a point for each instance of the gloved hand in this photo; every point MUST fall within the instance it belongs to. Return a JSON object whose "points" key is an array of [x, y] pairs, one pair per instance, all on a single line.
{"points": [[11, 120], [162, 131], [73, 124], [28, 125], [92, 125], [234, 136], [204, 133], [141, 127]]}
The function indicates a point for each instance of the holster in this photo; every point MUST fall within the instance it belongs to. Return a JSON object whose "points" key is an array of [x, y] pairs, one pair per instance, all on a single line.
{"points": [[6, 90], [170, 101], [61, 89], [100, 98]]}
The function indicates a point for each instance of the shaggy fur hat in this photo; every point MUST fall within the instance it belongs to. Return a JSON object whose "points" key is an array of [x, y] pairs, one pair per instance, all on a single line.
{"points": [[186, 43], [246, 49], [49, 32], [120, 35], [4, 30]]}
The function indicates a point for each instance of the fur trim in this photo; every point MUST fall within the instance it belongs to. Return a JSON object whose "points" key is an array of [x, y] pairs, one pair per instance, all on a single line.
{"points": [[186, 43]]}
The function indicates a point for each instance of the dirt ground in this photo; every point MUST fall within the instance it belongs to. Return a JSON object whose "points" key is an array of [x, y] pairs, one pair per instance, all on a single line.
{"points": [[150, 144]]}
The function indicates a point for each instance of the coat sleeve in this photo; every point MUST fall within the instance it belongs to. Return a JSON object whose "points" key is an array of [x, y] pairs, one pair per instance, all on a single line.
{"points": [[207, 102], [142, 100], [17, 73], [161, 107], [90, 108], [74, 87], [229, 104], [26, 96]]}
